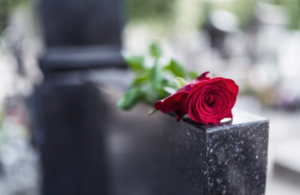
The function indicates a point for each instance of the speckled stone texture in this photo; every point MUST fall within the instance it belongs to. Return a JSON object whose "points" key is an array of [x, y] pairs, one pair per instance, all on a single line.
{"points": [[235, 161], [158, 156]]}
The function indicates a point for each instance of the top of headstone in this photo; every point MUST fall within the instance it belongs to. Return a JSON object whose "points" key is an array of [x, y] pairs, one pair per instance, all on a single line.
{"points": [[240, 117], [70, 23]]}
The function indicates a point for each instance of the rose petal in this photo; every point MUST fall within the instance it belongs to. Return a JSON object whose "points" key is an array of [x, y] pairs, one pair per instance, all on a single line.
{"points": [[203, 76], [171, 103], [209, 99], [229, 115], [179, 113], [216, 104], [231, 86]]}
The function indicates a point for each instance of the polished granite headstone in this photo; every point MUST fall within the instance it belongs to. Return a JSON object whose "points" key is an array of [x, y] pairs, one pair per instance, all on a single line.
{"points": [[80, 35], [89, 147], [235, 155], [70, 115], [69, 23], [153, 155]]}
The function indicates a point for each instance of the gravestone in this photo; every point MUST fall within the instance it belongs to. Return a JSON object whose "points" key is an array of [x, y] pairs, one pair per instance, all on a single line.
{"points": [[89, 147], [79, 36], [72, 145], [69, 23], [156, 155], [114, 152]]}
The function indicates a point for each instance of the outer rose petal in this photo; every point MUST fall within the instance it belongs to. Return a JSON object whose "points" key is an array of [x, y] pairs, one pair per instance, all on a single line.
{"points": [[179, 113], [171, 103], [175, 102], [229, 115], [234, 87], [203, 76]]}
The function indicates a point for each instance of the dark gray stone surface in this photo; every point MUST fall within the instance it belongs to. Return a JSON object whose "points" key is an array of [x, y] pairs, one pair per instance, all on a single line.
{"points": [[69, 23], [157, 155], [66, 59], [71, 140], [88, 146], [236, 159], [81, 34]]}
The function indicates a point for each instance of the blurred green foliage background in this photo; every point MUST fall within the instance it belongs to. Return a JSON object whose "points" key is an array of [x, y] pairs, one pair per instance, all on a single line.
{"points": [[159, 10], [166, 12], [6, 6], [293, 11]]}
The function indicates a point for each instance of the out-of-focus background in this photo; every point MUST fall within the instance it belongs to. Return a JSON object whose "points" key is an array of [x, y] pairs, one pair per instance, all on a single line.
{"points": [[254, 42]]}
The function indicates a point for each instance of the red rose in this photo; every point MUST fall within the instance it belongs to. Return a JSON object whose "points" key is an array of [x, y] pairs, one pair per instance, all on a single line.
{"points": [[206, 100]]}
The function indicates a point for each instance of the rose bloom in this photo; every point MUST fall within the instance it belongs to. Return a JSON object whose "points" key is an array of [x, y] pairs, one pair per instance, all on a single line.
{"points": [[206, 100]]}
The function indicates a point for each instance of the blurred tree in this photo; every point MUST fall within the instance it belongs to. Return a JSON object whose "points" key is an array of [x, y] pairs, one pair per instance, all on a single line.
{"points": [[293, 12], [158, 10], [243, 9], [5, 7]]}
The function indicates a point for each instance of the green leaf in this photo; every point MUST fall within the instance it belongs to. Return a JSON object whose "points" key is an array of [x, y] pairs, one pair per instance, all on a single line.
{"points": [[161, 93], [151, 95], [170, 90], [142, 78], [155, 50], [176, 69], [136, 63], [131, 98], [192, 75], [155, 76], [180, 82], [152, 111]]}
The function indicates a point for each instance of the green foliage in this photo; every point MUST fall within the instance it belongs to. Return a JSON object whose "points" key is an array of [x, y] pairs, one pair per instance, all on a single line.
{"points": [[151, 112], [135, 62], [5, 7], [131, 98], [155, 50], [158, 10], [244, 10], [155, 76], [192, 75], [176, 68], [169, 90], [180, 82], [155, 81], [293, 11]]}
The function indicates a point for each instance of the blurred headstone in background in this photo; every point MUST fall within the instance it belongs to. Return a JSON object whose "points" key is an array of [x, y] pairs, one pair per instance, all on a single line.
{"points": [[81, 34], [78, 35], [73, 154], [81, 23]]}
